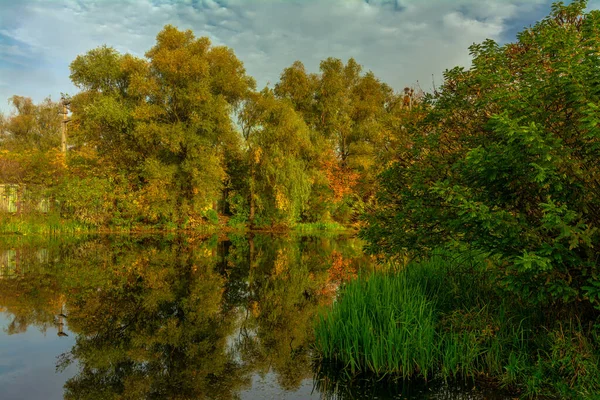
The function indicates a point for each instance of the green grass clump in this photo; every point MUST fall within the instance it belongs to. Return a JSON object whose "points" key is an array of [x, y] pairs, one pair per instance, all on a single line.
{"points": [[445, 319], [41, 224], [382, 324]]}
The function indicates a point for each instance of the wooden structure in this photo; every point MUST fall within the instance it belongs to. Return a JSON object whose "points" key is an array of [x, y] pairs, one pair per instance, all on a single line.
{"points": [[63, 137], [13, 197], [9, 198]]}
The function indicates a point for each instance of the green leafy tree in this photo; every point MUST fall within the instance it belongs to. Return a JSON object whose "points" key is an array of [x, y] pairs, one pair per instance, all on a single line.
{"points": [[278, 149], [348, 113], [506, 161], [31, 126]]}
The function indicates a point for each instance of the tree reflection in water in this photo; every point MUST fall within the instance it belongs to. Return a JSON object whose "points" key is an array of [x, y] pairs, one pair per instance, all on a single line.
{"points": [[177, 317]]}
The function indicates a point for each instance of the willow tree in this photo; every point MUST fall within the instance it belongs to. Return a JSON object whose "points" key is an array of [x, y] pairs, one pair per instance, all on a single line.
{"points": [[347, 111], [30, 155], [161, 122], [279, 151], [31, 126]]}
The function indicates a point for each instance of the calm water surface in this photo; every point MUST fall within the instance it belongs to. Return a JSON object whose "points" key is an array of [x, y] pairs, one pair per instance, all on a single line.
{"points": [[114, 317]]}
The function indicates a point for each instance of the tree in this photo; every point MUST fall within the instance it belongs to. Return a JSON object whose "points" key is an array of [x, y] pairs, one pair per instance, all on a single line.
{"points": [[506, 161], [348, 113], [161, 123], [278, 153], [31, 126]]}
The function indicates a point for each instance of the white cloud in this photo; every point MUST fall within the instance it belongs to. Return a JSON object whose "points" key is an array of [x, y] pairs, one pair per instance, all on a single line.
{"points": [[402, 41]]}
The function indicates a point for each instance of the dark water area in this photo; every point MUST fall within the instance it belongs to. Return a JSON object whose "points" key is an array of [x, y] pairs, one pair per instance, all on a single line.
{"points": [[172, 317]]}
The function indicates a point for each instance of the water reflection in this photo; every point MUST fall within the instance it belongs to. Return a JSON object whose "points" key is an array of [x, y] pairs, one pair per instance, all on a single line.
{"points": [[332, 384], [158, 317], [176, 317]]}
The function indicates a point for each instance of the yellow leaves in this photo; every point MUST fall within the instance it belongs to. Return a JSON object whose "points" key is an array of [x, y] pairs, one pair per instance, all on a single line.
{"points": [[206, 252], [257, 153], [58, 160], [147, 112], [141, 85], [281, 201], [228, 74], [179, 57], [255, 309], [281, 262]]}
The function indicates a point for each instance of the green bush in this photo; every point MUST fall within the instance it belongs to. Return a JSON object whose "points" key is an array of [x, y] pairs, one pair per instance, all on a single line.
{"points": [[212, 216], [443, 319], [506, 161]]}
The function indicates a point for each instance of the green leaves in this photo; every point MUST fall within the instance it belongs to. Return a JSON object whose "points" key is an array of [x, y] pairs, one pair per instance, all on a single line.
{"points": [[163, 121], [506, 161], [98, 70]]}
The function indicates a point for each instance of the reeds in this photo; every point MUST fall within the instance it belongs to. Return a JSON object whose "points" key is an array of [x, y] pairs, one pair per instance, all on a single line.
{"points": [[381, 324], [41, 224], [435, 319]]}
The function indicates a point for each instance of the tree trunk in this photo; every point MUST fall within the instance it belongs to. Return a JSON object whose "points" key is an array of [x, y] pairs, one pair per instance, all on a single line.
{"points": [[252, 205]]}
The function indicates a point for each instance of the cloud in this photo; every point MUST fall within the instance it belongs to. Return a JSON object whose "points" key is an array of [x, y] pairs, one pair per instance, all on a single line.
{"points": [[401, 41]]}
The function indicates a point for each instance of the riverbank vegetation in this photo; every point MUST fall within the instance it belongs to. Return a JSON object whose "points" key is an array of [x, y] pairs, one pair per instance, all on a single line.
{"points": [[489, 187], [182, 138], [504, 167], [446, 319]]}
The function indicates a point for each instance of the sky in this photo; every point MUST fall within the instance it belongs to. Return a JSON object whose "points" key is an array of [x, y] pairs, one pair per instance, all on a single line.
{"points": [[404, 42]]}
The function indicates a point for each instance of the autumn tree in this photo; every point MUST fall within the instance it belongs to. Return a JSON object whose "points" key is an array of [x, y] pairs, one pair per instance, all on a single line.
{"points": [[278, 150], [31, 126], [161, 123], [348, 113], [31, 162]]}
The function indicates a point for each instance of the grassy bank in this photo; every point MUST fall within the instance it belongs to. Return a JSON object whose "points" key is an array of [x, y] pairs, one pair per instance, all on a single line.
{"points": [[50, 224], [445, 319], [311, 227], [41, 224]]}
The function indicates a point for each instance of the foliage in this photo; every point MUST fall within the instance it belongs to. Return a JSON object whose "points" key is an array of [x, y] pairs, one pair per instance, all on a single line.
{"points": [[161, 123], [506, 161], [351, 117], [31, 126], [278, 154], [442, 319], [152, 143]]}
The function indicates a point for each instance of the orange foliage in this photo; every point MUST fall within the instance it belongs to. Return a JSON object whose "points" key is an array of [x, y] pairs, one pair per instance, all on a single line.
{"points": [[341, 271], [341, 180]]}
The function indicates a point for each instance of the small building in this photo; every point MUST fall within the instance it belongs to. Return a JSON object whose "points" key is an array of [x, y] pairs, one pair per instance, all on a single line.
{"points": [[12, 200], [8, 198]]}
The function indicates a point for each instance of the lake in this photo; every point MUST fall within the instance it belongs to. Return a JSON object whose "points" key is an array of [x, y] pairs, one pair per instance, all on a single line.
{"points": [[179, 317]]}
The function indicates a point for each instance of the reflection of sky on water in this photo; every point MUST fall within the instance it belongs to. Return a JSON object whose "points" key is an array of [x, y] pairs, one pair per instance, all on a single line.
{"points": [[266, 387], [28, 363], [28, 368]]}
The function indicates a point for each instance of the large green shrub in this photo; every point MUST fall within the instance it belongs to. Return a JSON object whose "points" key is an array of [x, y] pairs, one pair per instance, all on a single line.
{"points": [[506, 160]]}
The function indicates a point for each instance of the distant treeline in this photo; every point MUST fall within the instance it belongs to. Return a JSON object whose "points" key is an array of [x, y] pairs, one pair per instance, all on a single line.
{"points": [[177, 137]]}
